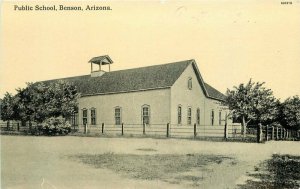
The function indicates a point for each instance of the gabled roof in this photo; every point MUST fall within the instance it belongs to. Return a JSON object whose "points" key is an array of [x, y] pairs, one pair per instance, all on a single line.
{"points": [[101, 60], [137, 79]]}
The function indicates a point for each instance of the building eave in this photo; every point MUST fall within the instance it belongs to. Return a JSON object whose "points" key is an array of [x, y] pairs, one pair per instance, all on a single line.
{"points": [[130, 91]]}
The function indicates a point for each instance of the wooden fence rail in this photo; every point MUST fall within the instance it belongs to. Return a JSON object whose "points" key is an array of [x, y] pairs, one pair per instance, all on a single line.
{"points": [[258, 132]]}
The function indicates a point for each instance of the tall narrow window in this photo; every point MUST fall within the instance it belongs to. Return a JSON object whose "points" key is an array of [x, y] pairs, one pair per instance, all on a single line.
{"points": [[179, 115], [190, 83], [93, 116], [220, 117], [118, 118], [84, 116], [146, 114], [74, 118], [212, 117], [189, 116], [198, 116]]}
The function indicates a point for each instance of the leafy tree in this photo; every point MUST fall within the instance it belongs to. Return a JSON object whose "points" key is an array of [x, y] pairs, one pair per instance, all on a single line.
{"points": [[290, 113], [8, 107], [252, 102], [61, 99], [30, 101], [40, 101]]}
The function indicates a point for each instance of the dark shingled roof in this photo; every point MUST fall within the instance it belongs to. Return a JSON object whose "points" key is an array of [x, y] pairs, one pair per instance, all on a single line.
{"points": [[137, 79], [214, 92]]}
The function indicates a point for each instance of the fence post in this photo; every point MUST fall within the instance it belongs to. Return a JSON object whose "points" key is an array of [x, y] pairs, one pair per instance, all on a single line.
{"points": [[144, 128], [259, 133], [7, 125], [285, 133], [267, 136], [18, 126], [281, 133], [272, 135], [122, 129], [277, 135], [168, 128], [102, 131], [195, 130], [225, 132]]}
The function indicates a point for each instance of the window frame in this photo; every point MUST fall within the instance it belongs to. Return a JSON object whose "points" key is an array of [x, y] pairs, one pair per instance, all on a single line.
{"points": [[190, 83], [74, 119], [198, 116], [93, 116], [120, 115], [212, 117], [84, 117], [220, 117], [148, 116], [179, 115], [189, 115]]}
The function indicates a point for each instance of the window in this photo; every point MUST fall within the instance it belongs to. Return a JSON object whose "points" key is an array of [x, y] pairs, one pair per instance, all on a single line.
{"points": [[146, 114], [212, 117], [84, 116], [189, 116], [118, 118], [220, 117], [190, 83], [179, 115], [74, 118], [93, 116], [198, 116]]}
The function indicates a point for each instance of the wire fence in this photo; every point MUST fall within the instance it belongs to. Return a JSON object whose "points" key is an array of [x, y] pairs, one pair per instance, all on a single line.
{"points": [[258, 133], [165, 129]]}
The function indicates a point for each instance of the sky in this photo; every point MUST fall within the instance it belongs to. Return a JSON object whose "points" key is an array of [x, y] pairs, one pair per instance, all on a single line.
{"points": [[231, 41]]}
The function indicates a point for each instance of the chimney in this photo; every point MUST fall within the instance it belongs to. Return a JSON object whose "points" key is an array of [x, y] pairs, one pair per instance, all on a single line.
{"points": [[101, 61]]}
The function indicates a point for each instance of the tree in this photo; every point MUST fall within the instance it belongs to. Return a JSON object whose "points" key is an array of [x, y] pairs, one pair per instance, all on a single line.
{"points": [[60, 99], [8, 107], [252, 102], [289, 115], [40, 101]]}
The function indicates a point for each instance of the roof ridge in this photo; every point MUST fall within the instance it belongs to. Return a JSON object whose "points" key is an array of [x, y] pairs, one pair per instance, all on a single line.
{"points": [[183, 61]]}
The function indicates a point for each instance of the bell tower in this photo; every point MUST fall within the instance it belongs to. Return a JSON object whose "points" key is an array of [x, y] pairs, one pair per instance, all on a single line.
{"points": [[102, 62]]}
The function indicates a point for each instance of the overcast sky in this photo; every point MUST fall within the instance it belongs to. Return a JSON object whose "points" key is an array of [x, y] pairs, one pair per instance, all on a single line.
{"points": [[231, 41]]}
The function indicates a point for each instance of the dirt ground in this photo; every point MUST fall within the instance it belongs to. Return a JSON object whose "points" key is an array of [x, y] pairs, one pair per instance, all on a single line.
{"points": [[43, 162]]}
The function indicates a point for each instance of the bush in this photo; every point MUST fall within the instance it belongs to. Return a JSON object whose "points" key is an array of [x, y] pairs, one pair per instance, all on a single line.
{"points": [[55, 126]]}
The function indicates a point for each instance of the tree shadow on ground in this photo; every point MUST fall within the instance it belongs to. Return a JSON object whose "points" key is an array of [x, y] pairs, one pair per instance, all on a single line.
{"points": [[282, 171]]}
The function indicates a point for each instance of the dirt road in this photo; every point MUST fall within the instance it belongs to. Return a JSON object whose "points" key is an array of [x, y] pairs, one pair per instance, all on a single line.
{"points": [[42, 162]]}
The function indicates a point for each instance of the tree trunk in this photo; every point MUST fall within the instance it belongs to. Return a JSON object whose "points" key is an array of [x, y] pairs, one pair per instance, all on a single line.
{"points": [[244, 126]]}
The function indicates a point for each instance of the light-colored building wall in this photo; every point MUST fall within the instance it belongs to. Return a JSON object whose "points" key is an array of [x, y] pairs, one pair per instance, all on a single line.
{"points": [[131, 106], [182, 96], [195, 98], [216, 106]]}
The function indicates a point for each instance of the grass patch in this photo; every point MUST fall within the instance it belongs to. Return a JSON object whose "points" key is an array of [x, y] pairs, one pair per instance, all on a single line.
{"points": [[147, 149], [165, 167], [282, 171]]}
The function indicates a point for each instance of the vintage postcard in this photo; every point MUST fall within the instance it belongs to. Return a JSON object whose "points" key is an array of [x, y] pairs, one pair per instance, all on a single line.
{"points": [[150, 94]]}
